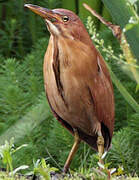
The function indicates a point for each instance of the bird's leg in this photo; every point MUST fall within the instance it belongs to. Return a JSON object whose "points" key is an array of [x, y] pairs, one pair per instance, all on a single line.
{"points": [[73, 150], [100, 145]]}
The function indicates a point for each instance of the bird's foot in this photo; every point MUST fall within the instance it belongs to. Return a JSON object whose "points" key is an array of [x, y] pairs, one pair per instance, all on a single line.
{"points": [[65, 170], [100, 144]]}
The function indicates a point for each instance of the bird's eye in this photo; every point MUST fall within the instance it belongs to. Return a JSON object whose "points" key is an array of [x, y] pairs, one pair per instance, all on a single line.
{"points": [[65, 18]]}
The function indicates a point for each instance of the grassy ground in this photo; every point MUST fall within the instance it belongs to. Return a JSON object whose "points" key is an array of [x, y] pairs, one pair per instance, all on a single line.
{"points": [[75, 176]]}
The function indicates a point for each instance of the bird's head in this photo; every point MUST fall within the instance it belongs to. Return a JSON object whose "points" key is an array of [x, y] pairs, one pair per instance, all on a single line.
{"points": [[61, 22]]}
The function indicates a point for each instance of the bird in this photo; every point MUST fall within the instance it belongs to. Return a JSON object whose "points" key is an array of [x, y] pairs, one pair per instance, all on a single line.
{"points": [[77, 82]]}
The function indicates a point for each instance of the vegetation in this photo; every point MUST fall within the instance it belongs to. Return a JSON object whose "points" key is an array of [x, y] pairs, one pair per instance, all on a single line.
{"points": [[25, 113]]}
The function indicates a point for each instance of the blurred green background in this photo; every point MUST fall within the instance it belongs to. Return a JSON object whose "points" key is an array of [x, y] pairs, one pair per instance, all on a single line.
{"points": [[20, 29], [24, 111]]}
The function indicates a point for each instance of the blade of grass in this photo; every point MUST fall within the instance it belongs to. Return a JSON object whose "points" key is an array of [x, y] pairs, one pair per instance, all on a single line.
{"points": [[131, 101]]}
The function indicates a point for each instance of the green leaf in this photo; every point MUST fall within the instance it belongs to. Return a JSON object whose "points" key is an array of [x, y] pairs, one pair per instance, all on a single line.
{"points": [[121, 12], [131, 101], [18, 169], [18, 148], [132, 1], [129, 26], [43, 163], [137, 88], [43, 172]]}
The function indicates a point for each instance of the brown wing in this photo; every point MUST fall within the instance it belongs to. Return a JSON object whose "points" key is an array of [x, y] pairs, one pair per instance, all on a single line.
{"points": [[102, 93]]}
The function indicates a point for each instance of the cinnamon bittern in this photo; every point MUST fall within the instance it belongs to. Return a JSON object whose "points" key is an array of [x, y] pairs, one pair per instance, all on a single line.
{"points": [[77, 82]]}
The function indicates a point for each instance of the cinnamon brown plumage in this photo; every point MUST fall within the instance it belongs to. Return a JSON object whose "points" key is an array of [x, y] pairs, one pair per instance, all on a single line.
{"points": [[77, 82]]}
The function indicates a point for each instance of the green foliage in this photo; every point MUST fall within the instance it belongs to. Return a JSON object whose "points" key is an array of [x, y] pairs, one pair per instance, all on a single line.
{"points": [[6, 152], [120, 153], [123, 13], [21, 89], [59, 143], [124, 147], [83, 13], [20, 85], [131, 101], [133, 124], [71, 5], [43, 169], [60, 139], [20, 28]]}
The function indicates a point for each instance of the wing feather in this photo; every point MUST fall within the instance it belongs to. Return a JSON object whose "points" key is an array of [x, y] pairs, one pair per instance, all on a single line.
{"points": [[103, 96]]}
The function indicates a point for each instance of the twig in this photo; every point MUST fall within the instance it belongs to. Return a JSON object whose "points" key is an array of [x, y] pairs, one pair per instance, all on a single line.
{"points": [[115, 28], [117, 32]]}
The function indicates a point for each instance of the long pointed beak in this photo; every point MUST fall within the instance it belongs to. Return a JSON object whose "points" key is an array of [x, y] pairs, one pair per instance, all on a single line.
{"points": [[43, 12]]}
